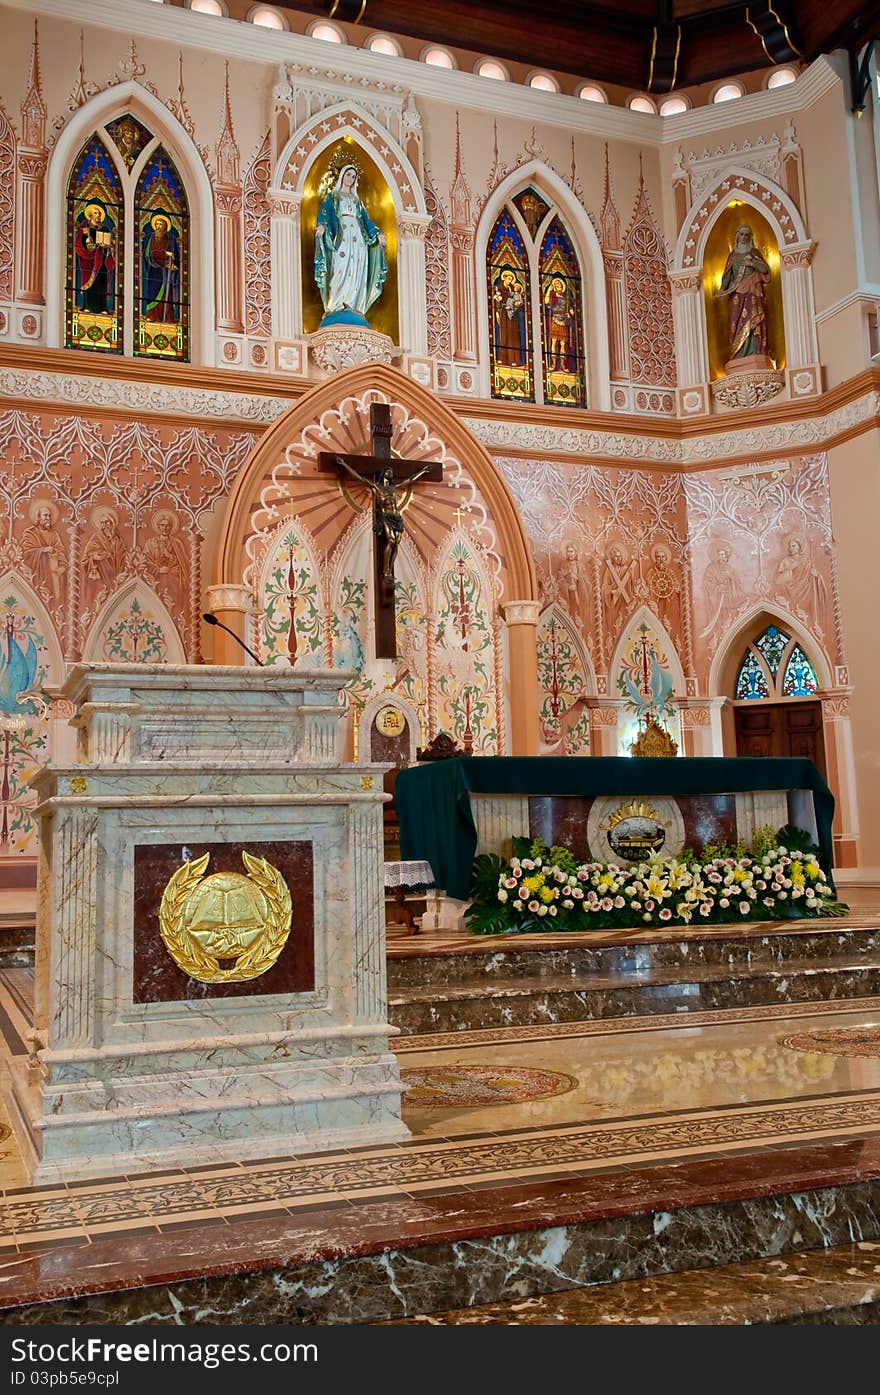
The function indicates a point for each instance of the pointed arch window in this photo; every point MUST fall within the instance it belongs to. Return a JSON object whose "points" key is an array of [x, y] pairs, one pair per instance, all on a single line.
{"points": [[127, 208], [562, 338], [161, 292], [775, 666], [533, 278], [95, 252], [510, 299]]}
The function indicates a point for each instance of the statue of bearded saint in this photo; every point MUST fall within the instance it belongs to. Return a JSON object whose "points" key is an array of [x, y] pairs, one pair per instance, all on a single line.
{"points": [[745, 275]]}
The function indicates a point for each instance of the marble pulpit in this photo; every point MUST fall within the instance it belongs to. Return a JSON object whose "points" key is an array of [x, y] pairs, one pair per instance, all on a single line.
{"points": [[210, 964]]}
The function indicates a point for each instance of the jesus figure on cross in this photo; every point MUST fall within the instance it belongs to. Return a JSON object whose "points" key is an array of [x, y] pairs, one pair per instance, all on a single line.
{"points": [[391, 495]]}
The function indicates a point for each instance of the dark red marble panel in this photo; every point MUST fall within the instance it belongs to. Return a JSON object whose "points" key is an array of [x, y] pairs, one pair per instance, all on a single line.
{"points": [[157, 979], [562, 819]]}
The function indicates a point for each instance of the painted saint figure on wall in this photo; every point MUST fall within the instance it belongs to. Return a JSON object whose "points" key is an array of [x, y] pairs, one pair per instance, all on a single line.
{"points": [[44, 551], [95, 261], [350, 261], [746, 273], [160, 272]]}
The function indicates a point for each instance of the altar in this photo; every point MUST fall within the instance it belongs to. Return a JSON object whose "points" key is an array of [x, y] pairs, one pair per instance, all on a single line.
{"points": [[606, 809]]}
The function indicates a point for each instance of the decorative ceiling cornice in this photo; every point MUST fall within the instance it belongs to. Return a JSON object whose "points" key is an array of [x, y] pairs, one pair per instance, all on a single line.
{"points": [[464, 90]]}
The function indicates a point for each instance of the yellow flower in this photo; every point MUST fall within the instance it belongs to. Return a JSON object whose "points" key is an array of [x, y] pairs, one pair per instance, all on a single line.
{"points": [[655, 885], [533, 884], [547, 894]]}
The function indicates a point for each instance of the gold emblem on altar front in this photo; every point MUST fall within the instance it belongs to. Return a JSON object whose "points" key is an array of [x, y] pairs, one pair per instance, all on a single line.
{"points": [[635, 830], [226, 928]]}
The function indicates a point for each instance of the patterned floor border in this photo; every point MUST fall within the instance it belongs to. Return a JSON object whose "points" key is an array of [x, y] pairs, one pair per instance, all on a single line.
{"points": [[88, 1210]]}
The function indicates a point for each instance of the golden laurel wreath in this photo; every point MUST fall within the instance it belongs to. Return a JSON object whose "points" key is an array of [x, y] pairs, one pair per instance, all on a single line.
{"points": [[265, 895]]}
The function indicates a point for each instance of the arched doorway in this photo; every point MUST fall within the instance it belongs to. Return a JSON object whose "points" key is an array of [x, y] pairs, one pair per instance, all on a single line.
{"points": [[775, 687]]}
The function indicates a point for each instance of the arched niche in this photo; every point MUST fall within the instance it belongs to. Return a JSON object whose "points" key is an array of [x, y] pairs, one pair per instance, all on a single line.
{"points": [[289, 576], [547, 183], [94, 115], [719, 241], [133, 626], [646, 673], [467, 699], [291, 197], [762, 197], [275, 471], [566, 678], [27, 603]]}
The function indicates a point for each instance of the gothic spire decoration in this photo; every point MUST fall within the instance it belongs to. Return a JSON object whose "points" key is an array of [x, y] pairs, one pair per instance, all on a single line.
{"points": [[460, 194], [610, 217], [33, 108], [228, 157]]}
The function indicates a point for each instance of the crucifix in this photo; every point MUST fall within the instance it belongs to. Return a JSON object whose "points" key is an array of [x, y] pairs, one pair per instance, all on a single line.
{"points": [[391, 494]]}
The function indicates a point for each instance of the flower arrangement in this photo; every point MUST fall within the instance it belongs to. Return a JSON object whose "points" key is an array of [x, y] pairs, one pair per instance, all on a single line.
{"points": [[547, 889]]}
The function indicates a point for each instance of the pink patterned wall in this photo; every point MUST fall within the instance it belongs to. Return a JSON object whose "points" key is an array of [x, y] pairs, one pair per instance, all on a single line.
{"points": [[700, 551]]}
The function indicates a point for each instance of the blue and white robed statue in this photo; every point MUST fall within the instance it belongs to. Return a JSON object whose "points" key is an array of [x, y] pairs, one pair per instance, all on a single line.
{"points": [[350, 261]]}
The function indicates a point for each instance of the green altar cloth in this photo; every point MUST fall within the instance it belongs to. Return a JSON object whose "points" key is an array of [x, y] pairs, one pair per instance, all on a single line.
{"points": [[437, 823]]}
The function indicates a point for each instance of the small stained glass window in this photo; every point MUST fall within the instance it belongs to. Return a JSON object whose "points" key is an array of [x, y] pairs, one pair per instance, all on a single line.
{"points": [[161, 292], [562, 333], [752, 680], [772, 645], [800, 677], [510, 328], [95, 241]]}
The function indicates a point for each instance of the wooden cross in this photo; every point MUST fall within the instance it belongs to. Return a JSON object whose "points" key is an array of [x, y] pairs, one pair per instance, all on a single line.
{"points": [[391, 493]]}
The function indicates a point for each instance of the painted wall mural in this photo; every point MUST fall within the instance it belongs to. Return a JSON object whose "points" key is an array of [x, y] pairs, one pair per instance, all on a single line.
{"points": [[763, 537], [104, 521], [24, 724], [565, 679], [606, 542], [448, 667]]}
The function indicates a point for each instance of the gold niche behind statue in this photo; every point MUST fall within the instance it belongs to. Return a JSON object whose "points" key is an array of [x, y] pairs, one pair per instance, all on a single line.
{"points": [[208, 921], [718, 245], [653, 740], [372, 189]]}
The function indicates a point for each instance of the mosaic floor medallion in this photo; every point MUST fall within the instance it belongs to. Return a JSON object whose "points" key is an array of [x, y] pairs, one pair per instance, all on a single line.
{"points": [[837, 1041], [465, 1086]]}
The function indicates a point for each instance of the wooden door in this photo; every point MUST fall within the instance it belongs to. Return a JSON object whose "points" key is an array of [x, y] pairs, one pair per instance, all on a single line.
{"points": [[781, 729]]}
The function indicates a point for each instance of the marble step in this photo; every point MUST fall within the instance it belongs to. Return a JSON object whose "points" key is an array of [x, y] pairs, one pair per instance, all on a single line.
{"points": [[463, 960], [575, 997], [839, 1286]]}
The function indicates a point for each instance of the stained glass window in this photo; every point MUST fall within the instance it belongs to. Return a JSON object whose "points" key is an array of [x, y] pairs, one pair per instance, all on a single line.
{"points": [[130, 137], [161, 283], [533, 208], [800, 676], [752, 680], [95, 243], [510, 319], [562, 336], [772, 645]]}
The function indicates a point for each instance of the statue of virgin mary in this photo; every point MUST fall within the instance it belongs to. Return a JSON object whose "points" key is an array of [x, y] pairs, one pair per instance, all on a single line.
{"points": [[350, 262]]}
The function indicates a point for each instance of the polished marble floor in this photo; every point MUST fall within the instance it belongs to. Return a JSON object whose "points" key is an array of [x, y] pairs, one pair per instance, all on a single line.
{"points": [[647, 1113]]}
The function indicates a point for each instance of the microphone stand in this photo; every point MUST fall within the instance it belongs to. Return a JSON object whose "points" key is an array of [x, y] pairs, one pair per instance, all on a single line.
{"points": [[211, 619]]}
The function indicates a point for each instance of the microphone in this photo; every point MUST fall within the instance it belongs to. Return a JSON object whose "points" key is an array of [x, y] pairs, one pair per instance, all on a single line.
{"points": [[211, 619]]}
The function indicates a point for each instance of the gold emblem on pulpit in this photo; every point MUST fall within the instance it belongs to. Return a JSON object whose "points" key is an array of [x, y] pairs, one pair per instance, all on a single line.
{"points": [[226, 928]]}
